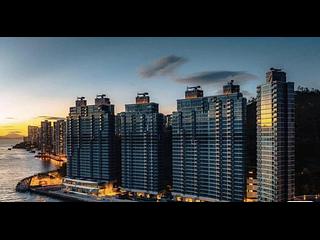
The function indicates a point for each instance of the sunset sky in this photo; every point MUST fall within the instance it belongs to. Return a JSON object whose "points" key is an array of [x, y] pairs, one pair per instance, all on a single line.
{"points": [[41, 77]]}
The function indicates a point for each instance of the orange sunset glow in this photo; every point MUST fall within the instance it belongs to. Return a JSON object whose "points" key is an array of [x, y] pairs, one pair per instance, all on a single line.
{"points": [[14, 122], [12, 128]]}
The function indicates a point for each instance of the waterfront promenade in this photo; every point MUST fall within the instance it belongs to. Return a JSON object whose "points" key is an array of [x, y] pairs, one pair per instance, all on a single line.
{"points": [[56, 191]]}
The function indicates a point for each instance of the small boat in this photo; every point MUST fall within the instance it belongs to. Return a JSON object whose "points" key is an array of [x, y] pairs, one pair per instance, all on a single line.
{"points": [[9, 148], [32, 151]]}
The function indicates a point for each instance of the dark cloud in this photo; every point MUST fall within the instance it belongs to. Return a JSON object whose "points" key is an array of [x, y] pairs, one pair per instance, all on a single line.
{"points": [[217, 77], [51, 118], [163, 66]]}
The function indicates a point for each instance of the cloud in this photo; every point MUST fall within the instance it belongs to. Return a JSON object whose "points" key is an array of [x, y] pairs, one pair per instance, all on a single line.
{"points": [[50, 118], [217, 77], [11, 129], [162, 67], [15, 132], [10, 118], [7, 126]]}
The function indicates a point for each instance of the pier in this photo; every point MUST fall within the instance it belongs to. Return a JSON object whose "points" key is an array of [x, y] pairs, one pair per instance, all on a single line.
{"points": [[51, 178], [24, 184]]}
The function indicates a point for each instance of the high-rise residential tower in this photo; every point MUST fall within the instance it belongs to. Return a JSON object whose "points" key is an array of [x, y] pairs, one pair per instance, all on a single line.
{"points": [[275, 138], [59, 138], [90, 141], [208, 146], [33, 135], [46, 137], [143, 150]]}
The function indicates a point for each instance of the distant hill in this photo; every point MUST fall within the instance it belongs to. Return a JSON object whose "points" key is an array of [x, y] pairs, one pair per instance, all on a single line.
{"points": [[11, 136], [307, 141]]}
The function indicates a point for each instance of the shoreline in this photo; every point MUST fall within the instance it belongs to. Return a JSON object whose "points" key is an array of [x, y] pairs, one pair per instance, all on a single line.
{"points": [[51, 158]]}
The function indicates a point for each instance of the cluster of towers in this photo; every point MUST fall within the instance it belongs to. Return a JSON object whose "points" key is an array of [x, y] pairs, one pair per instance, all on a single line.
{"points": [[48, 138], [199, 150]]}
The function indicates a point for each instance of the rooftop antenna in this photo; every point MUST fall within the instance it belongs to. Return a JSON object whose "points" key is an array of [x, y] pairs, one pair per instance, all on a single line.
{"points": [[143, 94], [278, 68], [101, 95], [193, 88]]}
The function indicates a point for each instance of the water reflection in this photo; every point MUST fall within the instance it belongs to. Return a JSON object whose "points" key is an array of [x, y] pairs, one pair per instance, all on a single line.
{"points": [[16, 165]]}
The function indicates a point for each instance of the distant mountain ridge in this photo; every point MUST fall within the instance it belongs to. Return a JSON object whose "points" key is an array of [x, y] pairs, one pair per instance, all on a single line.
{"points": [[12, 136]]}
